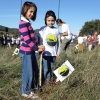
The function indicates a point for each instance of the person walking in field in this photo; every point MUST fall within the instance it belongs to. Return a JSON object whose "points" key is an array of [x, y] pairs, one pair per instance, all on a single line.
{"points": [[80, 42], [90, 41], [95, 40]]}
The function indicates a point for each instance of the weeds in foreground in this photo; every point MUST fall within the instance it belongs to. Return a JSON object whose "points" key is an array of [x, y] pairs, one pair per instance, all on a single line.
{"points": [[82, 84]]}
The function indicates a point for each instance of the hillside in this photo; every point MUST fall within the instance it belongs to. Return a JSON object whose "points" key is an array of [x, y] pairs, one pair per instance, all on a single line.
{"points": [[82, 84], [11, 30]]}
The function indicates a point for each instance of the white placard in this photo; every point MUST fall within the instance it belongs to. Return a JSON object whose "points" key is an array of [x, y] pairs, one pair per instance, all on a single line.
{"points": [[16, 51], [64, 71]]}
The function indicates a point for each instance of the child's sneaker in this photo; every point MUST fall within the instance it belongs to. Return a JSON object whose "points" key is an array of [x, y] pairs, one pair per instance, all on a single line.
{"points": [[25, 95], [57, 81], [34, 96], [31, 95]]}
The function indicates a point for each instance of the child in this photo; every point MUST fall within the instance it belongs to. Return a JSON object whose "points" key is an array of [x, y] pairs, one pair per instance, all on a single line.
{"points": [[95, 40], [28, 48], [85, 40], [98, 38], [50, 38], [80, 46], [90, 40]]}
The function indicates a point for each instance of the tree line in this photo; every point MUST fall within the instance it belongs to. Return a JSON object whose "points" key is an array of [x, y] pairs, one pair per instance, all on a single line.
{"points": [[13, 31], [91, 26]]}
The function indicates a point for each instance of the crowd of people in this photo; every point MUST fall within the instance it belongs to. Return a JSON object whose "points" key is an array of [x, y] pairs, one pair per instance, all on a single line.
{"points": [[7, 40], [88, 41]]}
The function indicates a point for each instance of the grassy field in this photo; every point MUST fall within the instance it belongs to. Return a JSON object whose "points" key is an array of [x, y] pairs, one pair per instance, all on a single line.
{"points": [[82, 84]]}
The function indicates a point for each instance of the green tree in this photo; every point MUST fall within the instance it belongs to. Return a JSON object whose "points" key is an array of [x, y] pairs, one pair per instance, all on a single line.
{"points": [[91, 26]]}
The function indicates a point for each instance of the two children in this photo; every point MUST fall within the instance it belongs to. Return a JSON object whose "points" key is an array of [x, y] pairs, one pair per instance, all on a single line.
{"points": [[48, 43]]}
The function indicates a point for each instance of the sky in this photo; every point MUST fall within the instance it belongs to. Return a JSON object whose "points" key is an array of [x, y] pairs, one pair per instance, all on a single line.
{"points": [[73, 12]]}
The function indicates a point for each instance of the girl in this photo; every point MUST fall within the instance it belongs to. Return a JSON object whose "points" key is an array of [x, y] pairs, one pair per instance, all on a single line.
{"points": [[90, 40], [95, 40], [66, 35], [80, 42], [50, 38], [28, 48]]}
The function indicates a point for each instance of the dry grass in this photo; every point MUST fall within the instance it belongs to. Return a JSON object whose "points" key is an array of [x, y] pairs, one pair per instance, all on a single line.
{"points": [[82, 84]]}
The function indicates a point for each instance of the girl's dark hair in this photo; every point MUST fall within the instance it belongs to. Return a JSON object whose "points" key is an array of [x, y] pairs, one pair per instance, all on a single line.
{"points": [[50, 13], [80, 34], [59, 21], [26, 7]]}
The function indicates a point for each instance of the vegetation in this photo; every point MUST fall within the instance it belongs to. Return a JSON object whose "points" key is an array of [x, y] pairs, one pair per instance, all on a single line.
{"points": [[88, 26], [82, 84], [91, 26], [13, 31]]}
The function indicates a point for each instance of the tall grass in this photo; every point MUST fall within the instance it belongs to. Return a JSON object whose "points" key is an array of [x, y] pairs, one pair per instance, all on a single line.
{"points": [[82, 84]]}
